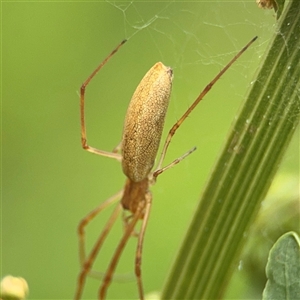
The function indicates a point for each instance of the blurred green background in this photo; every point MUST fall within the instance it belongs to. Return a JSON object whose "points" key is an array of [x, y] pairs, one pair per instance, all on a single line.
{"points": [[49, 183]]}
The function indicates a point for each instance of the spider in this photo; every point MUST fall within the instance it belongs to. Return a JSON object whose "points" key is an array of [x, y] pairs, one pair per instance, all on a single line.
{"points": [[137, 151]]}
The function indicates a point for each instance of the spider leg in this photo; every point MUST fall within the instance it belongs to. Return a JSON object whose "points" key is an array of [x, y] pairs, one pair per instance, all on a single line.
{"points": [[84, 143], [173, 163], [114, 261], [87, 262], [139, 249], [117, 148], [87, 219], [198, 99]]}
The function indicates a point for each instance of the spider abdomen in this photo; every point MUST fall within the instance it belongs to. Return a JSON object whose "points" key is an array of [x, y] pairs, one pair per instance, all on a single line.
{"points": [[144, 122]]}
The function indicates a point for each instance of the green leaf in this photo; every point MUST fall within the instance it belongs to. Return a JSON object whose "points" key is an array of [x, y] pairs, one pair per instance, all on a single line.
{"points": [[279, 7], [244, 171], [283, 269]]}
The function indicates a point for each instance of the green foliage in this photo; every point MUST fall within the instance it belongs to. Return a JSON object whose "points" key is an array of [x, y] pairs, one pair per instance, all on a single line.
{"points": [[244, 172], [283, 269], [279, 213], [279, 7]]}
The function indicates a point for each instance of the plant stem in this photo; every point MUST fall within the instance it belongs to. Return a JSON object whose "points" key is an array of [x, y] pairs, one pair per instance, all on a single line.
{"points": [[244, 171]]}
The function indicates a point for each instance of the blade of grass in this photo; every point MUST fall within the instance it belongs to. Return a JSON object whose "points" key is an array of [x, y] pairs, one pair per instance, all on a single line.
{"points": [[244, 171]]}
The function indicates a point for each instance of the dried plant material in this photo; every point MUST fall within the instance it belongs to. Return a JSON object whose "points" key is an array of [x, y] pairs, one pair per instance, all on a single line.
{"points": [[266, 3]]}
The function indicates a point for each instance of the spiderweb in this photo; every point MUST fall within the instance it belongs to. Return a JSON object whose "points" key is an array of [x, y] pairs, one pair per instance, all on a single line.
{"points": [[187, 24], [197, 39]]}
